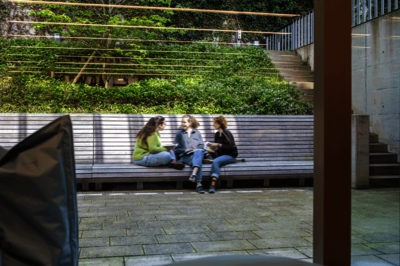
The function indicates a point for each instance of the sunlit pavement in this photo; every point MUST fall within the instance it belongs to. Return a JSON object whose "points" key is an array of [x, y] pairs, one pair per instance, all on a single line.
{"points": [[156, 228]]}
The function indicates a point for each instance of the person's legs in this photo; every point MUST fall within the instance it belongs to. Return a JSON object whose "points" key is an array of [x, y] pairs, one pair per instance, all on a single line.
{"points": [[172, 153], [216, 169], [141, 162], [219, 162], [197, 164], [156, 159]]}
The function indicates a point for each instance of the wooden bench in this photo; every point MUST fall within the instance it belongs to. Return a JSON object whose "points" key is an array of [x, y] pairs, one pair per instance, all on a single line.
{"points": [[273, 146]]}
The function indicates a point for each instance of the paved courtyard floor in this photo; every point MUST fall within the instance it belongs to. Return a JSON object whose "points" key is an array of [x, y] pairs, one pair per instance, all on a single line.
{"points": [[156, 228]]}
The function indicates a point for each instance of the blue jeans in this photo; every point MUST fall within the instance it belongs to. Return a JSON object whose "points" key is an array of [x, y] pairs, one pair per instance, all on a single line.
{"points": [[156, 159], [219, 162], [195, 160]]}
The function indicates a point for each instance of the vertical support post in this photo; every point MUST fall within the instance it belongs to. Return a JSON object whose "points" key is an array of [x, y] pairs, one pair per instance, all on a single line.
{"points": [[376, 3], [364, 10], [352, 13], [297, 33], [285, 47], [360, 151], [389, 6], [294, 35], [301, 33], [358, 12], [313, 24], [370, 10], [283, 38], [382, 7], [332, 133], [309, 28], [396, 4]]}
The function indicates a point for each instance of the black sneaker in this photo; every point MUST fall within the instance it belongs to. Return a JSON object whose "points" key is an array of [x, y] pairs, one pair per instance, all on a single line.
{"points": [[212, 189], [192, 178], [199, 189], [208, 161]]}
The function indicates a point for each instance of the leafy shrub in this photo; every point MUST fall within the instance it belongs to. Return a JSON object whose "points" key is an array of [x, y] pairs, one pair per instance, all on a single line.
{"points": [[31, 94]]}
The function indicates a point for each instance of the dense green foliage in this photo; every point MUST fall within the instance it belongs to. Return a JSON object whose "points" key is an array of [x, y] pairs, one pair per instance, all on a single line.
{"points": [[197, 59], [29, 94], [239, 80]]}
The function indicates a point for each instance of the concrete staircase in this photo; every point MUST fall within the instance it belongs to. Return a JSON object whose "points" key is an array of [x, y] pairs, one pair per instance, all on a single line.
{"points": [[382, 164], [291, 70]]}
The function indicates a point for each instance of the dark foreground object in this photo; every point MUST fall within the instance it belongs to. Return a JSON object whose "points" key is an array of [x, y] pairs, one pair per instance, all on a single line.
{"points": [[38, 208], [244, 260]]}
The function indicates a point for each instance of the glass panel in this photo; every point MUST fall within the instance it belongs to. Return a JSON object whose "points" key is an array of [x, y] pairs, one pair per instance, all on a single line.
{"points": [[375, 140]]}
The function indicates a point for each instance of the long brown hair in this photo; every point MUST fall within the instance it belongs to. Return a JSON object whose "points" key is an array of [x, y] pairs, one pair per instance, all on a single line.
{"points": [[150, 128], [193, 122]]}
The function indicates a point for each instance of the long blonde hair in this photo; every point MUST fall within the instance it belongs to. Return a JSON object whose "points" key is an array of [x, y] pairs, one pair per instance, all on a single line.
{"points": [[193, 122]]}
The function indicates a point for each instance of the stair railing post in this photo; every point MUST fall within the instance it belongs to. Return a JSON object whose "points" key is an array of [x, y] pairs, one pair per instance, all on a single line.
{"points": [[294, 35], [364, 10], [376, 3], [309, 38], [352, 13], [313, 26], [382, 7], [370, 9], [297, 33], [396, 4], [358, 11], [389, 6]]}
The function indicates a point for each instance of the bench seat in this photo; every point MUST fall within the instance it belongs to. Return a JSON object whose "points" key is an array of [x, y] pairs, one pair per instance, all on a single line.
{"points": [[273, 146]]}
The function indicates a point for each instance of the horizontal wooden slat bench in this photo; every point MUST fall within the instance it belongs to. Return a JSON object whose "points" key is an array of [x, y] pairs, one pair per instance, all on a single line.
{"points": [[273, 146]]}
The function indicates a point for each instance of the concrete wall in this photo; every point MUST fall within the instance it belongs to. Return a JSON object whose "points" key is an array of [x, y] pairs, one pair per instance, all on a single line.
{"points": [[376, 76], [307, 51]]}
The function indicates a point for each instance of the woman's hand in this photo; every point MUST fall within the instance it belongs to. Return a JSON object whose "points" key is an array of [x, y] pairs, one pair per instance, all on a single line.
{"points": [[188, 150], [214, 146], [170, 148], [210, 150]]}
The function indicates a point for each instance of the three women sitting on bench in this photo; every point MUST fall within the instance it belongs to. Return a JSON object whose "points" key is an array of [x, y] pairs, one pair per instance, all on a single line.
{"points": [[190, 149], [148, 148]]}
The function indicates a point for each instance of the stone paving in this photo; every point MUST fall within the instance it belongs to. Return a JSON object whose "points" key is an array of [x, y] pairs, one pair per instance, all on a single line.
{"points": [[157, 228]]}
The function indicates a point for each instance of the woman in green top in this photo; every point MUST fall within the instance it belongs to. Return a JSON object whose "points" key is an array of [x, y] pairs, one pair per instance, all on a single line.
{"points": [[148, 149]]}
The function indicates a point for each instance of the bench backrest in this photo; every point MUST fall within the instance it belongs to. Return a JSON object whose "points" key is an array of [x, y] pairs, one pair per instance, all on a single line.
{"points": [[110, 138]]}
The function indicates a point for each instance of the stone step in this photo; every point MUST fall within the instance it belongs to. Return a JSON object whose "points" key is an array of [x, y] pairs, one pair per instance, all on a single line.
{"points": [[292, 59], [299, 79], [293, 67], [303, 85], [380, 158], [290, 74], [384, 177], [378, 147], [307, 98], [384, 169], [306, 91], [373, 138], [295, 72], [271, 52]]}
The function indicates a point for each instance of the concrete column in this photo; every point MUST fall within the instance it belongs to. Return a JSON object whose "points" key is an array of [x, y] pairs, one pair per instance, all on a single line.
{"points": [[360, 151]]}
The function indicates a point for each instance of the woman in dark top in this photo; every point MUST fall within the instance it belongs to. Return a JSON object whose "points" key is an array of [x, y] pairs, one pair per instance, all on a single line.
{"points": [[223, 149]]}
